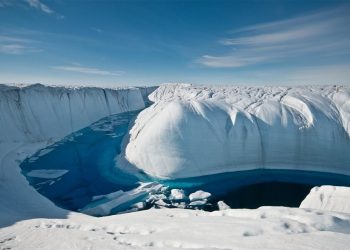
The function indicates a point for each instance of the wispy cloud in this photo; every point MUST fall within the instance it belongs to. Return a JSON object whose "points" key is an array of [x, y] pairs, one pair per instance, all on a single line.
{"points": [[325, 33], [5, 3], [39, 6], [17, 49], [98, 30], [85, 70], [34, 4], [17, 45]]}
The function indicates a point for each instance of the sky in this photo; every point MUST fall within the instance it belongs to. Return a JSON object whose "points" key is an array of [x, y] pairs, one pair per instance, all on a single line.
{"points": [[109, 43]]}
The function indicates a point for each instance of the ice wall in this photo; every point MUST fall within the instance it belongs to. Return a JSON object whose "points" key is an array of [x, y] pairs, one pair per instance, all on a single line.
{"points": [[329, 198], [42, 113], [193, 131]]}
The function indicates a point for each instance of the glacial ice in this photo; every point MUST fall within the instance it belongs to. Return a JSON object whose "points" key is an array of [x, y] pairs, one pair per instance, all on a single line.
{"points": [[329, 198], [66, 171], [33, 113], [47, 173], [194, 131], [189, 139], [22, 208], [177, 194], [120, 201], [87, 157], [223, 206], [199, 195]]}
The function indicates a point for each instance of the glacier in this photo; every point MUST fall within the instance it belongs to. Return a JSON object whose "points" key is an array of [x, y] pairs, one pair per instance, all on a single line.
{"points": [[37, 118], [193, 131], [101, 142], [38, 121]]}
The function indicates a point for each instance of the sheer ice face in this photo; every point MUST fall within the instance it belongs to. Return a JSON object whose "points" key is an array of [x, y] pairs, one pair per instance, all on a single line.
{"points": [[42, 113], [194, 131]]}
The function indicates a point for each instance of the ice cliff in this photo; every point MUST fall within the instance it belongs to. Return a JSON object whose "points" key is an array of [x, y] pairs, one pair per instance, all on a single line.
{"points": [[41, 113], [193, 130]]}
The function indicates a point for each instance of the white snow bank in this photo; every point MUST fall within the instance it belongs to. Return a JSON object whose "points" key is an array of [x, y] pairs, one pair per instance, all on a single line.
{"points": [[329, 198], [263, 228], [223, 206], [193, 131]]}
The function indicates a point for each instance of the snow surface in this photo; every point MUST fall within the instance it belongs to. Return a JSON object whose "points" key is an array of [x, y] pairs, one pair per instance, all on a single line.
{"points": [[194, 130], [30, 221], [328, 198], [263, 228]]}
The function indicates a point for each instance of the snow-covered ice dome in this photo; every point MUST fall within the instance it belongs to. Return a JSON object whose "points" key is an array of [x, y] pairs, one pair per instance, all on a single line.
{"points": [[196, 130]]}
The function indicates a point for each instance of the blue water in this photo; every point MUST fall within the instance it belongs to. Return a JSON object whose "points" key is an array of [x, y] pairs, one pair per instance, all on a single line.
{"points": [[260, 187], [220, 184], [89, 154]]}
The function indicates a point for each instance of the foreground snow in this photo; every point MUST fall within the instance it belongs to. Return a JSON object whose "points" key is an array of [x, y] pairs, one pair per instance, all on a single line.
{"points": [[328, 198], [194, 131], [263, 228]]}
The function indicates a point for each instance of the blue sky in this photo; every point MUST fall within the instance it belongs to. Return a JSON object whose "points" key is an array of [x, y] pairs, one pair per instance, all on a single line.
{"points": [[152, 42]]}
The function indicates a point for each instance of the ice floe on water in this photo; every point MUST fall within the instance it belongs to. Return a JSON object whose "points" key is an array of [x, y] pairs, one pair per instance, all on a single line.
{"points": [[47, 173]]}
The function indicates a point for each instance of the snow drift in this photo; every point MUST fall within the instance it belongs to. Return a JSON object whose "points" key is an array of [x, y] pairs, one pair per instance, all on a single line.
{"points": [[329, 198], [194, 131]]}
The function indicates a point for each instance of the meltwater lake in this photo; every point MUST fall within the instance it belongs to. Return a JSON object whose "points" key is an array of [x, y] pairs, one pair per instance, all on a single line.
{"points": [[79, 173]]}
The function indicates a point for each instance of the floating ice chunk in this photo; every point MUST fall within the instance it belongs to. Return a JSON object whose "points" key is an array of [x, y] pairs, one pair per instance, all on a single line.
{"points": [[139, 205], [33, 159], [45, 151], [223, 206], [199, 195], [179, 204], [120, 201], [177, 194], [47, 173], [108, 196], [198, 202], [161, 203], [155, 197]]}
